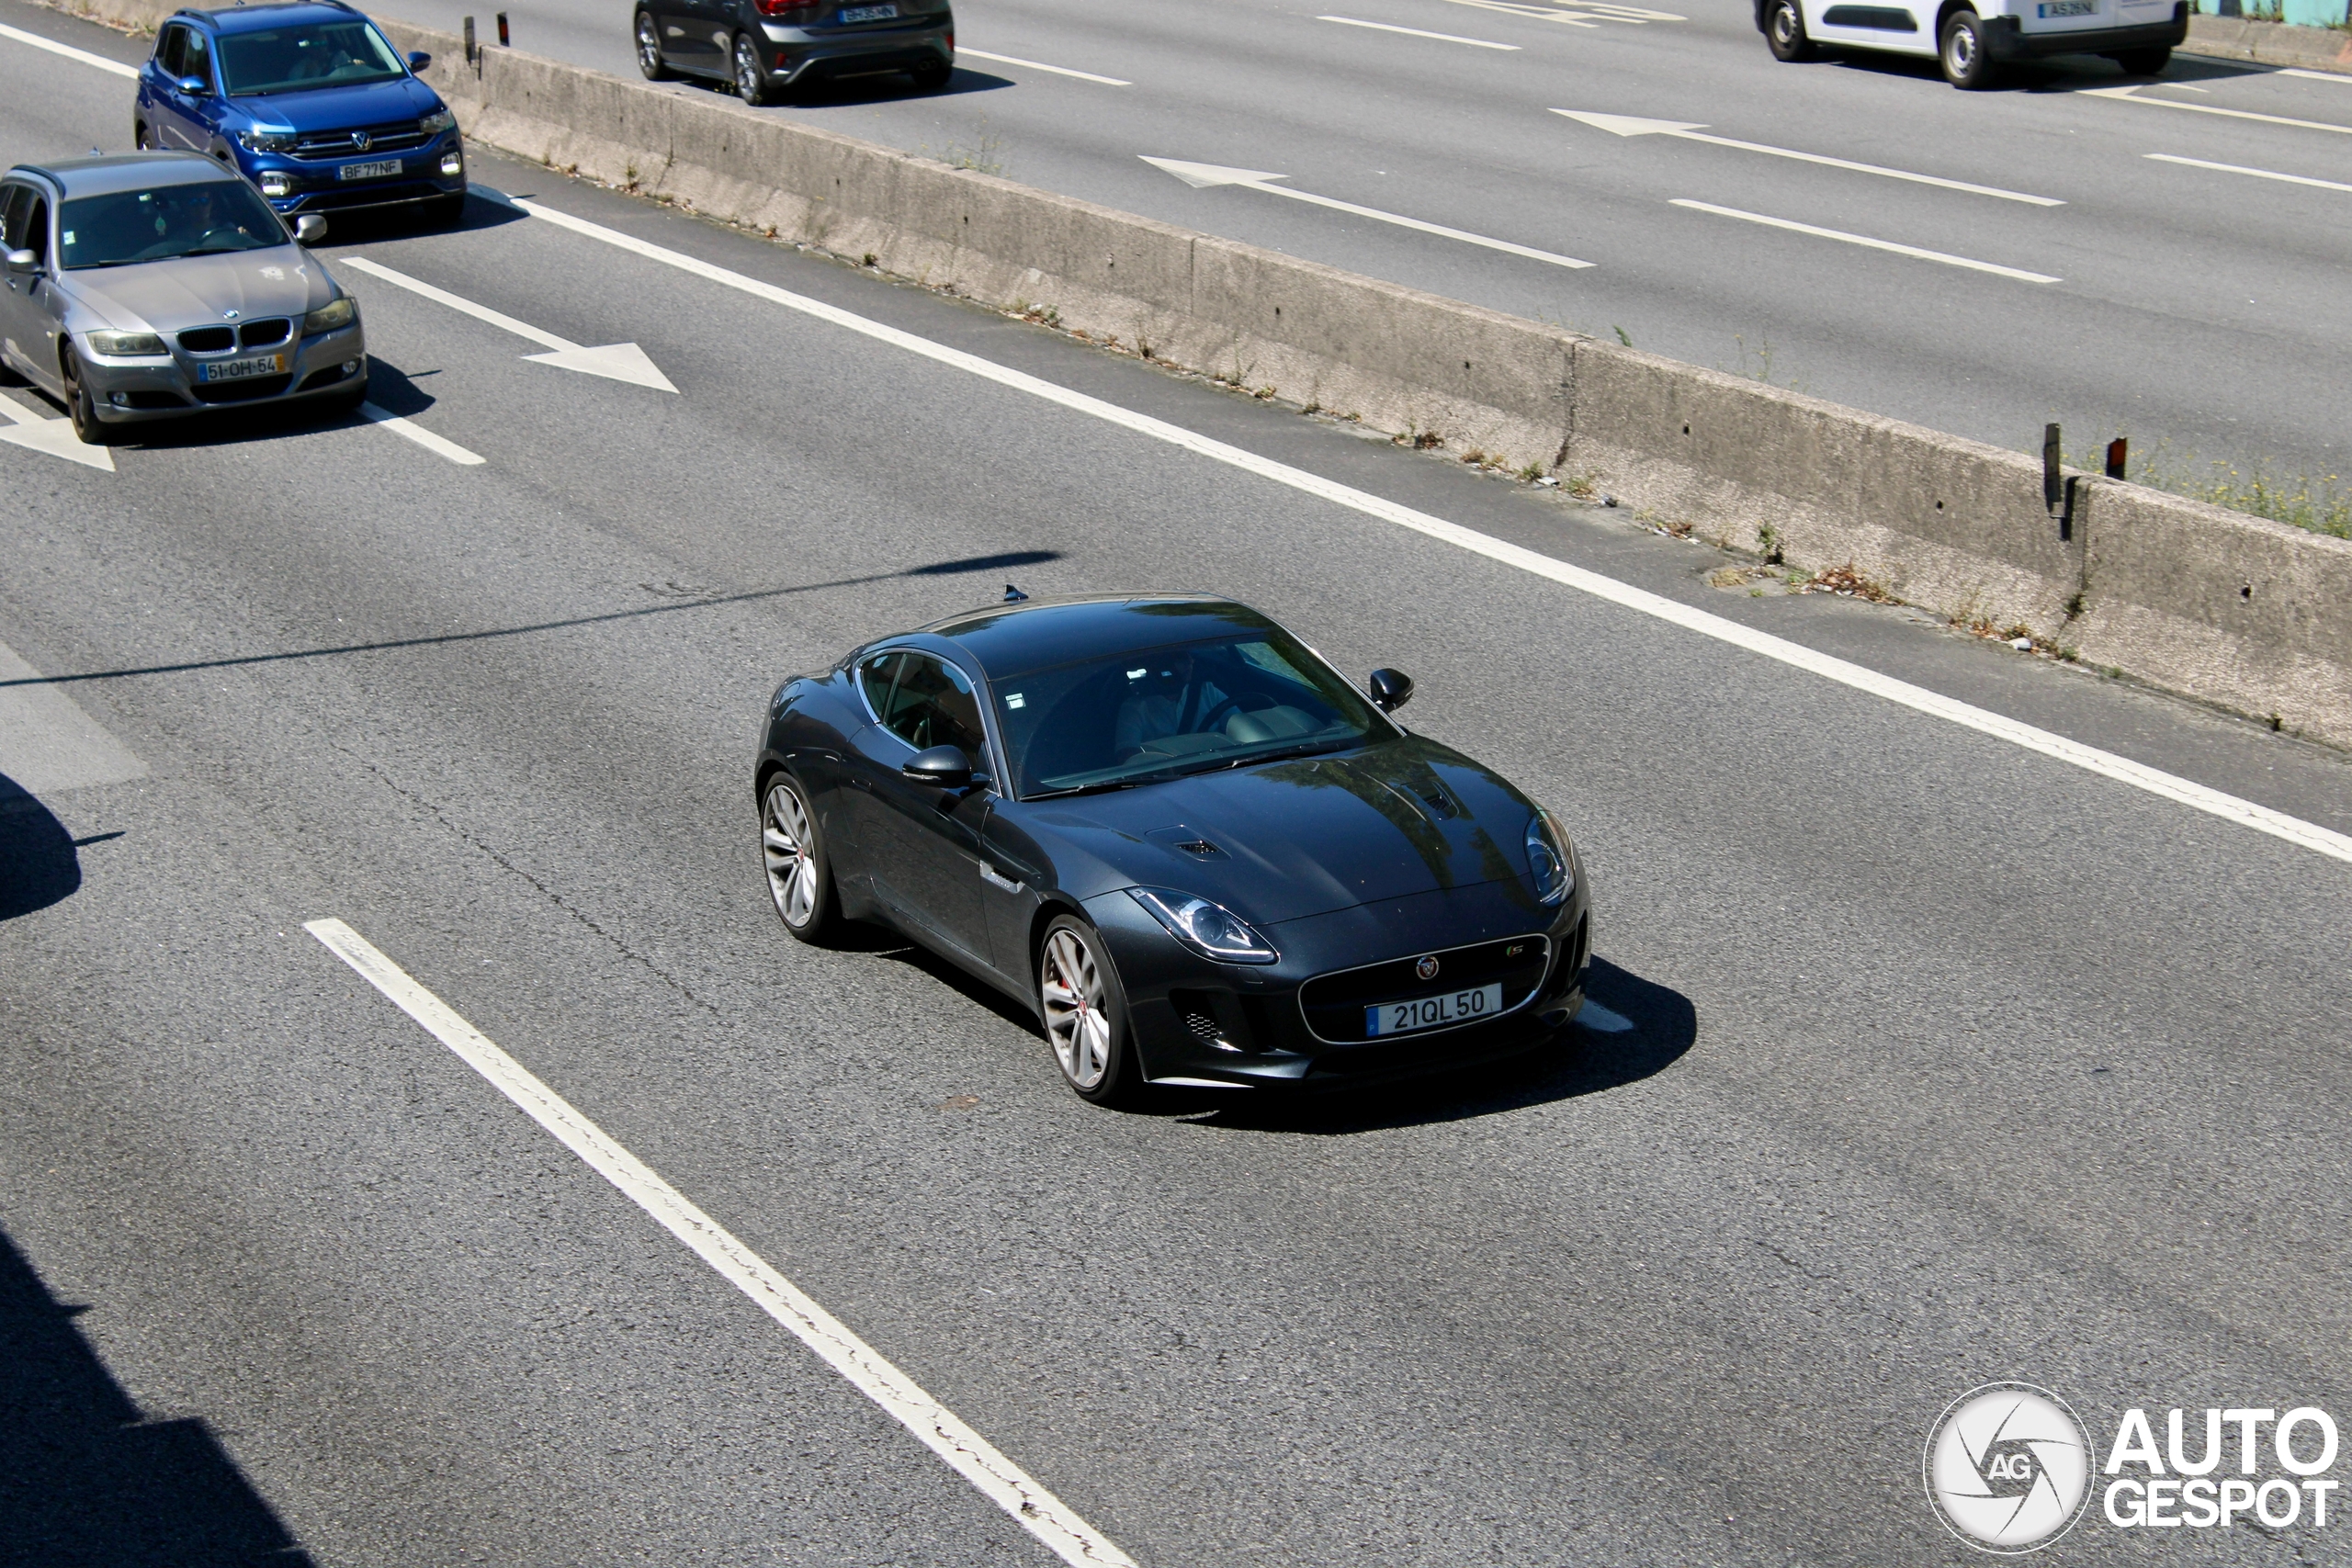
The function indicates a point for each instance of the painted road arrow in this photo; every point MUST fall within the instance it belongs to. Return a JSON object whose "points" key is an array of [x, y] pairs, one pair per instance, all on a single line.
{"points": [[1201, 176], [54, 437], [613, 361], [1629, 125]]}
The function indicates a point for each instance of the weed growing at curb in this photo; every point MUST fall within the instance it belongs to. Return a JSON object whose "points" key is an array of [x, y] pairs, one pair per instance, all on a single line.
{"points": [[2322, 505]]}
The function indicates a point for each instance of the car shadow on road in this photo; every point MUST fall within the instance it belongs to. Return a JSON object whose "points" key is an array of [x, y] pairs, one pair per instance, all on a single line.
{"points": [[85, 1478], [1631, 1029], [858, 92], [39, 864]]}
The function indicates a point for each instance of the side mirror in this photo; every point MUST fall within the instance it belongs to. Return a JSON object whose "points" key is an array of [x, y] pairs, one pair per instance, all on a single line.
{"points": [[943, 767], [24, 260], [193, 86], [309, 228], [418, 59], [1391, 689]]}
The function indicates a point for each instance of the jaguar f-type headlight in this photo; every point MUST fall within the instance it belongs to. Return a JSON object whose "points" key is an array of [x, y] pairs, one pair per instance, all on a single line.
{"points": [[330, 316], [1547, 858], [1211, 930], [126, 343]]}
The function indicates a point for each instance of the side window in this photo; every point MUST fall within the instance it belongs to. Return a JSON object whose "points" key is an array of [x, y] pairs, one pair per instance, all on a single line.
{"points": [[873, 679], [934, 705], [35, 235], [196, 58], [167, 51], [15, 207]]}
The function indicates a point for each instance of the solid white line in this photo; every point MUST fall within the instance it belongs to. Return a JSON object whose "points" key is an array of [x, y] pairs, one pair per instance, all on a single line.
{"points": [[1416, 32], [2338, 77], [70, 52], [1040, 66], [480, 313], [1004, 1482], [1404, 222], [2131, 95], [2258, 173], [2185, 791], [1864, 239], [438, 446]]}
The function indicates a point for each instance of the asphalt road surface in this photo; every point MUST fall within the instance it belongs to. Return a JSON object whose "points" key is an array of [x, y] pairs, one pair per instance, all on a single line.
{"points": [[2205, 313], [1941, 1061]]}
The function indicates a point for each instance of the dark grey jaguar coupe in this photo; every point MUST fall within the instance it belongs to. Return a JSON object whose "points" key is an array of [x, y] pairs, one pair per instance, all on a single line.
{"points": [[1199, 854]]}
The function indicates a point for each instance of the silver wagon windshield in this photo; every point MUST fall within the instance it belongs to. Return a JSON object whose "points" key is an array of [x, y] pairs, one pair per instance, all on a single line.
{"points": [[200, 219]]}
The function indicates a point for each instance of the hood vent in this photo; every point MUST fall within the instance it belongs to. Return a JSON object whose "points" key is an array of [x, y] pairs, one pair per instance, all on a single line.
{"points": [[1185, 841]]}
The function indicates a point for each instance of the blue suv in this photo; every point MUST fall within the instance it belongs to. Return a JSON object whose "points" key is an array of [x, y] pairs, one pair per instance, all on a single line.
{"points": [[307, 101]]}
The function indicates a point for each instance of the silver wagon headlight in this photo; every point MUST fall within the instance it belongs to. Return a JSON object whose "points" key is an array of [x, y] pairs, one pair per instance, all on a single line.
{"points": [[126, 343], [330, 317]]}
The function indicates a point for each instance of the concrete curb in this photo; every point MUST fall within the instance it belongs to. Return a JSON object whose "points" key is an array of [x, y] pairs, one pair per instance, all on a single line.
{"points": [[2251, 616], [2270, 43]]}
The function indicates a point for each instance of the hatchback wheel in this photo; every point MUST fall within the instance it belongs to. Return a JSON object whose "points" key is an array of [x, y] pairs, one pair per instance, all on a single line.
{"points": [[1086, 1014], [800, 880], [752, 83], [648, 50]]}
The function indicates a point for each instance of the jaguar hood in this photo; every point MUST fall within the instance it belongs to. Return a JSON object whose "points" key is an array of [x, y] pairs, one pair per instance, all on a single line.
{"points": [[1287, 839]]}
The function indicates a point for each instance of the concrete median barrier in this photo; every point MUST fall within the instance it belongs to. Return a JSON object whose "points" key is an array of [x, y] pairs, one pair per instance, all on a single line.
{"points": [[2251, 616]]}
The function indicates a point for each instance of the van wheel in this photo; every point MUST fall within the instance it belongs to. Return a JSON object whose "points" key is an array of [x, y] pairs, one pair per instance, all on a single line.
{"points": [[1966, 63], [2143, 61], [1784, 33]]}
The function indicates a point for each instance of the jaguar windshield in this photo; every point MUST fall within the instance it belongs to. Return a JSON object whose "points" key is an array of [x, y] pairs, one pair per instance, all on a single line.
{"points": [[199, 220], [296, 59], [1187, 708]]}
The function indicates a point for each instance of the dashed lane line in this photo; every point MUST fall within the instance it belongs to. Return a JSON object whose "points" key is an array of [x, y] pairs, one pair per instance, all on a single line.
{"points": [[1418, 32], [1041, 65], [1919, 699], [973, 1457], [2258, 173], [439, 446], [70, 52], [2132, 95], [1865, 241]]}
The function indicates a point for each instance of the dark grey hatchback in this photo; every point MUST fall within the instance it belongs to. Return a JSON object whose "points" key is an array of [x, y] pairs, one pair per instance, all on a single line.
{"points": [[765, 48]]}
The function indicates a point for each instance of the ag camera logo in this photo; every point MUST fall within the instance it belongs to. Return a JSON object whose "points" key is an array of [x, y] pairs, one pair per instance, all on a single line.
{"points": [[2009, 1467]]}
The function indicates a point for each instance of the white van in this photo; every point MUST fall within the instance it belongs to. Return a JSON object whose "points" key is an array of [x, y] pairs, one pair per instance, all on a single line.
{"points": [[1973, 39]]}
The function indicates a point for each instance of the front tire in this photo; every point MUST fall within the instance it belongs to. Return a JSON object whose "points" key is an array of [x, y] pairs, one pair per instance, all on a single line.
{"points": [[2143, 62], [752, 83], [1962, 53], [1784, 33], [84, 408], [800, 876], [648, 50], [1085, 1011]]}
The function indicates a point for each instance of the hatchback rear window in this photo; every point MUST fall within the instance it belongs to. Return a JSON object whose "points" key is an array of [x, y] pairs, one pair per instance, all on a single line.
{"points": [[206, 218], [295, 60]]}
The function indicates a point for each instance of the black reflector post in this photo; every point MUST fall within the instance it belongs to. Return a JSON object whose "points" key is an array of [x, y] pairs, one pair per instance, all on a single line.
{"points": [[2052, 491]]}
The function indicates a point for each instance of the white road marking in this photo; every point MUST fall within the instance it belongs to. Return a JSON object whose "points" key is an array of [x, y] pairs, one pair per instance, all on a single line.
{"points": [[970, 1455], [1629, 125], [1864, 239], [1416, 32], [1534, 13], [2043, 742], [613, 361], [2338, 77], [43, 433], [1201, 176], [2132, 95], [2258, 173], [440, 447], [1041, 65], [47, 742], [70, 52]]}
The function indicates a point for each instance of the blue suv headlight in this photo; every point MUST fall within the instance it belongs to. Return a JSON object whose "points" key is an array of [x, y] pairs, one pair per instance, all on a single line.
{"points": [[436, 122], [267, 141]]}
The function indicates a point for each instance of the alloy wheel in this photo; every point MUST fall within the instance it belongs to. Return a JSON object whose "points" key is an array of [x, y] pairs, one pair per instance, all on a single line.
{"points": [[1077, 1020], [786, 843]]}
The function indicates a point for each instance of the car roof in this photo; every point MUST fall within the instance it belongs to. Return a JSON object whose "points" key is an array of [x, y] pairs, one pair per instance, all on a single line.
{"points": [[1013, 639], [246, 18], [105, 174]]}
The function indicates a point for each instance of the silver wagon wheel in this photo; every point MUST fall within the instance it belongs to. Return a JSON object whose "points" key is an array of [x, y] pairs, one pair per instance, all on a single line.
{"points": [[1076, 1018]]}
